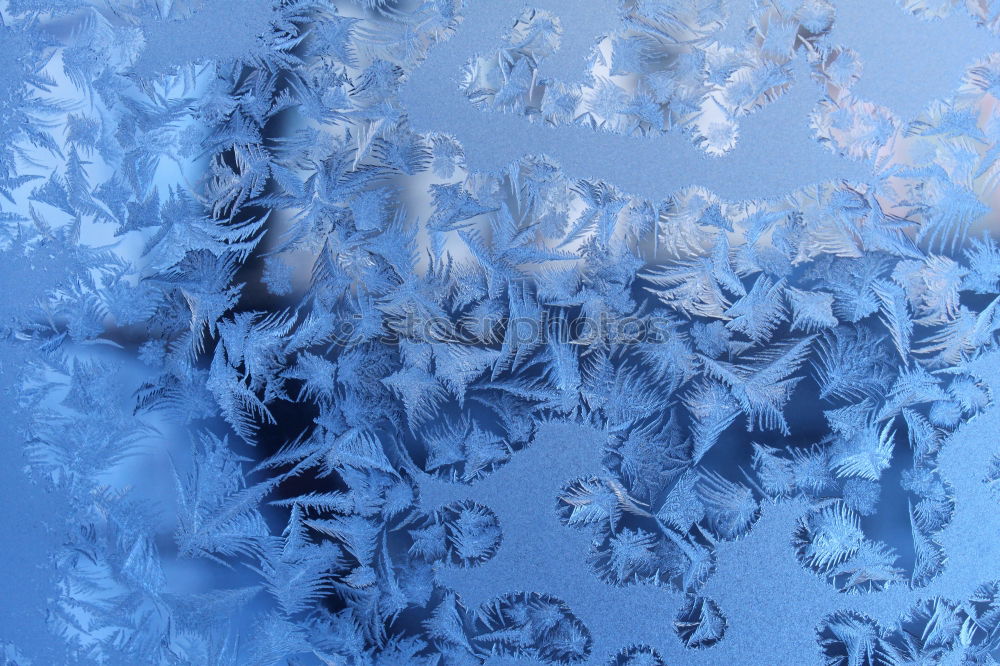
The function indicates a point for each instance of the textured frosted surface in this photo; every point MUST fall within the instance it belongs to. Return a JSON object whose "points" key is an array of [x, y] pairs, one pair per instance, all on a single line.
{"points": [[378, 332]]}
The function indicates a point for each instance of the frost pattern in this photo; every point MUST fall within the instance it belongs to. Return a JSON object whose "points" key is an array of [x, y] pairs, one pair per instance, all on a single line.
{"points": [[935, 630], [669, 69], [239, 269]]}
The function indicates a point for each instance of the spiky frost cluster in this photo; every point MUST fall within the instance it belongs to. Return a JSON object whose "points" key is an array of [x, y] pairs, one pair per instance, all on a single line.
{"points": [[223, 248]]}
